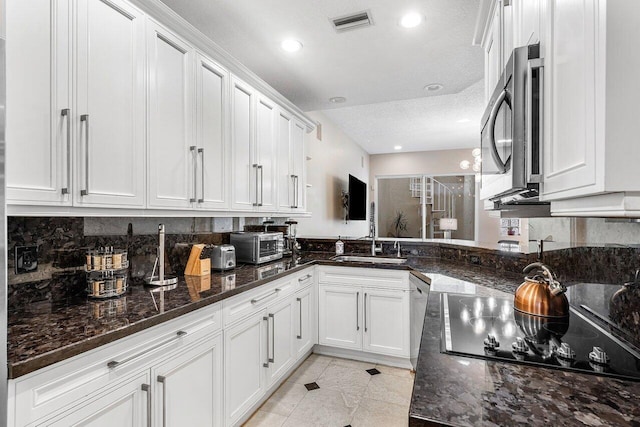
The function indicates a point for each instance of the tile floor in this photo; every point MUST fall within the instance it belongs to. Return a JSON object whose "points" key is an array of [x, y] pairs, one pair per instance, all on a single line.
{"points": [[333, 392]]}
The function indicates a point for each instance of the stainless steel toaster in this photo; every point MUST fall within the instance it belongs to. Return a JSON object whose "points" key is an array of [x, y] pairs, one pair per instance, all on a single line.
{"points": [[223, 257]]}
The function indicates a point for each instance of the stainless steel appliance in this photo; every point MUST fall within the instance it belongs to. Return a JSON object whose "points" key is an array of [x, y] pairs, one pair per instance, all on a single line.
{"points": [[511, 138], [490, 328], [257, 247], [223, 257]]}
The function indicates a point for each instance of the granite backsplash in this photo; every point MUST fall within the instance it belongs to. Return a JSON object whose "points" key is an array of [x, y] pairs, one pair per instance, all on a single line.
{"points": [[62, 245]]}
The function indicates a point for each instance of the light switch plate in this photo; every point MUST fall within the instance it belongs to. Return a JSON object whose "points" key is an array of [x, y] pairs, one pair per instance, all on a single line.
{"points": [[26, 259]]}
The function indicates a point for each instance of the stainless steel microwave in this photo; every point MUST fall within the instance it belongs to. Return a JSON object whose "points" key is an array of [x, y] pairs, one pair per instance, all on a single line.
{"points": [[511, 137], [256, 248]]}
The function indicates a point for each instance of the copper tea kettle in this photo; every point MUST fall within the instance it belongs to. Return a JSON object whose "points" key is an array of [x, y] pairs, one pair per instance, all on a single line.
{"points": [[541, 294]]}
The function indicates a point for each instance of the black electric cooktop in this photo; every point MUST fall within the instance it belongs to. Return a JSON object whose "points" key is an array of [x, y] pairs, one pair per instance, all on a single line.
{"points": [[489, 328]]}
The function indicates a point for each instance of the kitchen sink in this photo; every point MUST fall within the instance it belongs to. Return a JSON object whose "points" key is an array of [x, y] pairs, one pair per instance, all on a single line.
{"points": [[369, 259]]}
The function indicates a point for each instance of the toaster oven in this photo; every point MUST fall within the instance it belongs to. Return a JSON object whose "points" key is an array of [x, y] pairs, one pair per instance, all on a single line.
{"points": [[257, 247]]}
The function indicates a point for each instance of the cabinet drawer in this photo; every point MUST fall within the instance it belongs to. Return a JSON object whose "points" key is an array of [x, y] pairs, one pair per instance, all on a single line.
{"points": [[247, 303], [305, 278], [364, 276], [50, 390]]}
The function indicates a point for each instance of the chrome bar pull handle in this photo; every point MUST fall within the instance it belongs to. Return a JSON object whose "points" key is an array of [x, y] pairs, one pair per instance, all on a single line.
{"points": [[299, 336], [163, 380], [116, 363], [147, 389], [256, 166], [357, 311], [365, 312], [297, 189], [201, 152], [85, 192], [194, 161], [257, 300], [273, 338], [293, 193], [261, 184], [66, 113], [266, 364]]}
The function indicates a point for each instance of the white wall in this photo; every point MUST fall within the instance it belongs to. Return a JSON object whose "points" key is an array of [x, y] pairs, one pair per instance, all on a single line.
{"points": [[441, 162], [332, 160]]}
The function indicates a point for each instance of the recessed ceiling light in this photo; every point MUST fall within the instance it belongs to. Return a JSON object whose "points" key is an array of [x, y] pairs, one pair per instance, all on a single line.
{"points": [[465, 164], [291, 45], [433, 87], [411, 20], [463, 121], [338, 99], [397, 147]]}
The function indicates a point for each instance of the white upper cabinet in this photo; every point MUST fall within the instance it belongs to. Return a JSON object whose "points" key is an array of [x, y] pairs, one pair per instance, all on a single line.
{"points": [[39, 123], [298, 166], [172, 152], [266, 148], [110, 104], [286, 180], [492, 45], [245, 172], [79, 125], [591, 116], [108, 108], [212, 134], [291, 164], [526, 22]]}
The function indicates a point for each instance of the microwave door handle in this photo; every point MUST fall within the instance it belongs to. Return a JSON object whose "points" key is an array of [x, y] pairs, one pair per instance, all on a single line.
{"points": [[502, 166], [537, 63]]}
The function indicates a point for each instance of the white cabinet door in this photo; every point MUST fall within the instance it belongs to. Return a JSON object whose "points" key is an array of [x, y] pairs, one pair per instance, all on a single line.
{"points": [[244, 365], [526, 21], [570, 148], [298, 166], [305, 321], [212, 134], [126, 405], [110, 104], [172, 152], [386, 322], [280, 336], [39, 119], [285, 178], [189, 387], [340, 316], [266, 149], [493, 53], [245, 172]]}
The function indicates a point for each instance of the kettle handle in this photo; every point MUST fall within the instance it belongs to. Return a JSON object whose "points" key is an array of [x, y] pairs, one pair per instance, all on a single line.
{"points": [[555, 287]]}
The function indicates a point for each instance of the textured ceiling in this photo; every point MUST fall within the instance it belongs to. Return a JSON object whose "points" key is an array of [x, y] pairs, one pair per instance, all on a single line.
{"points": [[373, 67]]}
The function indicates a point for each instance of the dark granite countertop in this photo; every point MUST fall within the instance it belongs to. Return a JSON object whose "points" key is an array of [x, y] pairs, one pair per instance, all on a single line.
{"points": [[462, 391], [42, 334]]}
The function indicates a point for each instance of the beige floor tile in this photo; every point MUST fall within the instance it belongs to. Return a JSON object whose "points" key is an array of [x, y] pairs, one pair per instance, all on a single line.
{"points": [[353, 364], [324, 407], [398, 372], [310, 370], [390, 388], [349, 380], [373, 413], [285, 399], [265, 419]]}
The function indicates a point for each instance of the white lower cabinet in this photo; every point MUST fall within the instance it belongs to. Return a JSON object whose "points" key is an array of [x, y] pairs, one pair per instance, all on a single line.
{"points": [[281, 334], [305, 321], [127, 405], [362, 313], [245, 359], [386, 321], [340, 316], [188, 387]]}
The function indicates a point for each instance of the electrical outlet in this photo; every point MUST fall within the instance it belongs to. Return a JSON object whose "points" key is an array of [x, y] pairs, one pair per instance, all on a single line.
{"points": [[474, 259], [26, 259]]}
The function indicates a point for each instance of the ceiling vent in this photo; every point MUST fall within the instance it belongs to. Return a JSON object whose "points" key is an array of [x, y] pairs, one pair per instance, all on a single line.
{"points": [[352, 22]]}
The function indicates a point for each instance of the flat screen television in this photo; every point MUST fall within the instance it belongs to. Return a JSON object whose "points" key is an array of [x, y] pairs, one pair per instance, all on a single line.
{"points": [[357, 199]]}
